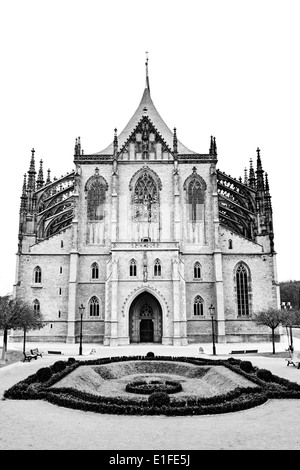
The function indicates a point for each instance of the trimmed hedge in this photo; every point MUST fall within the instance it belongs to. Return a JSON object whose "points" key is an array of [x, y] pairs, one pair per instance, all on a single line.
{"points": [[241, 398]]}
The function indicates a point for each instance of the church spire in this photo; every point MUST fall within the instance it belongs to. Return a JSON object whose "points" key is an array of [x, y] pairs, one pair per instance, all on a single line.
{"points": [[175, 142], [31, 172], [48, 176], [147, 74], [251, 179], [259, 172], [23, 205], [40, 179]]}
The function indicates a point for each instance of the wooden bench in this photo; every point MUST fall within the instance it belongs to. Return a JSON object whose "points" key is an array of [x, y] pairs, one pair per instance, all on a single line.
{"points": [[36, 351], [28, 356], [245, 351], [54, 352], [294, 359]]}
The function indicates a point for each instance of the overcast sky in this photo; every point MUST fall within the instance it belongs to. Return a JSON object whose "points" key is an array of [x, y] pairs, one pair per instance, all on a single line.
{"points": [[225, 68]]}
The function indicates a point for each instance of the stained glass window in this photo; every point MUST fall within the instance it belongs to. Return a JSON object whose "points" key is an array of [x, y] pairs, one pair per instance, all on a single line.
{"points": [[195, 200], [146, 199], [96, 201], [242, 287]]}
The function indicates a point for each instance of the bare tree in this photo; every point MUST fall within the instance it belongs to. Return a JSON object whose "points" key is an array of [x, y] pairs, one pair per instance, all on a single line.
{"points": [[272, 318], [18, 315]]}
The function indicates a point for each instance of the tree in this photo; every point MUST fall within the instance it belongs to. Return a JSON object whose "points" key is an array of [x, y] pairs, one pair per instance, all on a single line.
{"points": [[290, 318], [17, 314], [272, 318]]}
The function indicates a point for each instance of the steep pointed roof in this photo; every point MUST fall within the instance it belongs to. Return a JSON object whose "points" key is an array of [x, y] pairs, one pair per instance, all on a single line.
{"points": [[147, 108]]}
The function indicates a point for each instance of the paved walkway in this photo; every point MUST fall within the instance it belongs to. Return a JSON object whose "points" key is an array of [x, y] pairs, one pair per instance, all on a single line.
{"points": [[40, 425]]}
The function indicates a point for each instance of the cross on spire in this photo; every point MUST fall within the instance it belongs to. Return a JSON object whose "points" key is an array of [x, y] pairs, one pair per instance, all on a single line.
{"points": [[147, 76]]}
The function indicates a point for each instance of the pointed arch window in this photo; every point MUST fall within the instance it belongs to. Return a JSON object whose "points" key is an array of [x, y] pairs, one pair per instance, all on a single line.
{"points": [[94, 308], [145, 199], [96, 200], [36, 306], [242, 288], [157, 268], [197, 270], [195, 200], [198, 306], [37, 275], [132, 268], [95, 271]]}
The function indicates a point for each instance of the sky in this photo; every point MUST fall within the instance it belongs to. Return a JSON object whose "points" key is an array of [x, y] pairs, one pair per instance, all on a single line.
{"points": [[74, 68]]}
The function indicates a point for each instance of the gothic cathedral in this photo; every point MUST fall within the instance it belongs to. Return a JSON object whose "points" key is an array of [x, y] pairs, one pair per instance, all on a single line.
{"points": [[145, 241]]}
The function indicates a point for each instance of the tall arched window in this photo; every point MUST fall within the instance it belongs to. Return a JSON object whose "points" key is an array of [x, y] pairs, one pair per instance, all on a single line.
{"points": [[146, 199], [195, 200], [242, 288], [197, 270], [96, 200], [132, 268], [95, 271], [94, 307], [37, 275], [198, 305], [36, 306], [157, 268]]}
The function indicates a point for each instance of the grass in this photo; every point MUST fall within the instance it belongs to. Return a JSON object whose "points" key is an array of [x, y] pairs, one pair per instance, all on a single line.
{"points": [[10, 357]]}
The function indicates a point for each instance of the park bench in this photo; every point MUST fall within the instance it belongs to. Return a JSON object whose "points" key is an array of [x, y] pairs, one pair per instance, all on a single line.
{"points": [[28, 356], [245, 351], [294, 359], [36, 351]]}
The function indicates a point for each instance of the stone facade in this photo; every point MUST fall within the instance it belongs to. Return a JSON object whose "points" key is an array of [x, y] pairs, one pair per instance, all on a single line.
{"points": [[146, 236]]}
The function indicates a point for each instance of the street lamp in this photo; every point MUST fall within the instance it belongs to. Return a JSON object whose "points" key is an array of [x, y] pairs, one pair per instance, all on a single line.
{"points": [[211, 309], [81, 308]]}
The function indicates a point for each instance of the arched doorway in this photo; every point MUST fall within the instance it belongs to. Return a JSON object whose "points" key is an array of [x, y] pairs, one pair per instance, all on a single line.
{"points": [[145, 319]]}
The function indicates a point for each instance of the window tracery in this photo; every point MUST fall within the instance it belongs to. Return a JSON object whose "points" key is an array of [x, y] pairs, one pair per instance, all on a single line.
{"points": [[36, 306], [197, 270], [37, 275], [96, 200], [198, 305], [132, 268], [146, 199], [242, 288], [157, 268], [95, 271], [94, 307]]}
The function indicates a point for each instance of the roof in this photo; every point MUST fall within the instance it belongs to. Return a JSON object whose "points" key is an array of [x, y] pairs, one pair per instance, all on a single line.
{"points": [[147, 108]]}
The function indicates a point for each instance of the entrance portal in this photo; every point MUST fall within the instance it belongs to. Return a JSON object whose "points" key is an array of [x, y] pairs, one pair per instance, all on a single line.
{"points": [[145, 319], [146, 331]]}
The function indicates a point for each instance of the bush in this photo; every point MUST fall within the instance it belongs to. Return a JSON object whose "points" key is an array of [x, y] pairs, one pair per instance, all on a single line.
{"points": [[150, 354], [159, 399], [71, 360], [246, 366], [264, 374], [44, 374], [58, 366]]}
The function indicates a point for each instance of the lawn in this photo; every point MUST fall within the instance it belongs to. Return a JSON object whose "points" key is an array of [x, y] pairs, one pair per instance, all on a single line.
{"points": [[11, 357]]}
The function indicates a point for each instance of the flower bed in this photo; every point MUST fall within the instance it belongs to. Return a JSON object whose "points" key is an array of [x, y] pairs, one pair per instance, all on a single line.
{"points": [[44, 385], [145, 388]]}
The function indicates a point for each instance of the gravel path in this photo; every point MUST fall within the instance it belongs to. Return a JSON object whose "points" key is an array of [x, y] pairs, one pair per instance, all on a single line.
{"points": [[38, 425]]}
